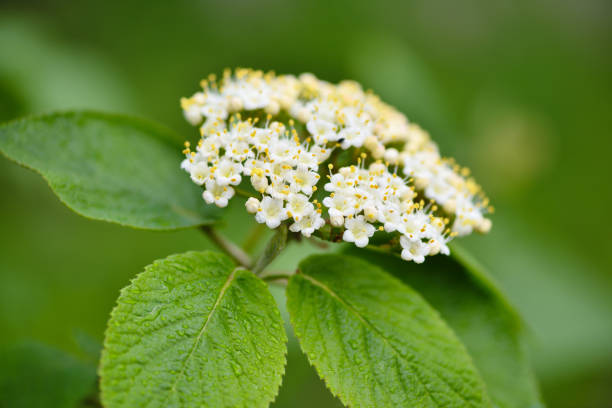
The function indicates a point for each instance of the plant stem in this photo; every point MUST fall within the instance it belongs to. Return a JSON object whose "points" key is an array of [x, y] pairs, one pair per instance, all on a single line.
{"points": [[275, 276], [228, 247], [253, 237], [274, 247], [318, 243], [242, 192]]}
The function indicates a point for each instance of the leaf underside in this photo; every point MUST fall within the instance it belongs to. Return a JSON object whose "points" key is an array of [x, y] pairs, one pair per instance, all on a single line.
{"points": [[193, 331], [489, 328], [375, 341], [109, 167]]}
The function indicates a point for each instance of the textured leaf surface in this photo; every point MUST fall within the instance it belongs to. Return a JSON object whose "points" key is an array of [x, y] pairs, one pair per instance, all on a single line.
{"points": [[193, 331], [474, 308], [109, 168], [376, 342], [36, 375]]}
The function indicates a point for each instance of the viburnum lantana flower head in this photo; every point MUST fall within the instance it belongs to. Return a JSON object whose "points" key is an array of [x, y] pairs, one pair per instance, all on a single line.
{"points": [[329, 160]]}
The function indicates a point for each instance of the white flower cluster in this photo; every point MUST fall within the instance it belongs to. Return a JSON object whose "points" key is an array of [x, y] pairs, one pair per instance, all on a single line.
{"points": [[284, 133]]}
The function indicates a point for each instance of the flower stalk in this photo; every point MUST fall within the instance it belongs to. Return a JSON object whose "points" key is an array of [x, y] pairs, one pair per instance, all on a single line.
{"points": [[274, 247], [234, 251]]}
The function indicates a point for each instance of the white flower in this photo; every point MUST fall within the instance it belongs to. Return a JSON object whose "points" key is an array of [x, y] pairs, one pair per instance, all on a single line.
{"points": [[199, 173], [308, 224], [352, 136], [253, 94], [371, 213], [271, 212], [340, 204], [391, 217], [217, 194], [322, 153], [302, 181], [228, 172], [284, 151], [358, 231], [413, 250], [391, 155], [337, 182], [186, 165], [215, 106], [209, 147], [414, 225], [193, 114], [277, 171], [298, 206], [484, 226], [322, 130], [253, 165], [259, 182], [261, 138], [278, 189], [238, 150], [362, 199], [307, 159], [285, 157], [440, 190], [438, 246]]}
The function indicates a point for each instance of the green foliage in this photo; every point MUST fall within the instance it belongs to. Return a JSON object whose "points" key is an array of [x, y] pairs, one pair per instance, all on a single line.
{"points": [[35, 375], [375, 341], [479, 315], [88, 347], [193, 330], [109, 168], [47, 74]]}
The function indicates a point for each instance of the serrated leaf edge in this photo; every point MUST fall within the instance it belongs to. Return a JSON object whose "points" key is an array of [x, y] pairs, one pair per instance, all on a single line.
{"points": [[343, 398]]}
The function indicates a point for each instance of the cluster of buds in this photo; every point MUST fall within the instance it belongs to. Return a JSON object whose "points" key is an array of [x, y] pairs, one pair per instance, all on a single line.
{"points": [[320, 156]]}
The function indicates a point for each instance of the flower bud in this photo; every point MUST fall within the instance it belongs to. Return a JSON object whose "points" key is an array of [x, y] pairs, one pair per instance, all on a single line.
{"points": [[337, 220], [252, 205]]}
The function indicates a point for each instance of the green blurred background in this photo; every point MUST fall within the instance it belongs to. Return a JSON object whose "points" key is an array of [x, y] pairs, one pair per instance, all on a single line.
{"points": [[520, 91]]}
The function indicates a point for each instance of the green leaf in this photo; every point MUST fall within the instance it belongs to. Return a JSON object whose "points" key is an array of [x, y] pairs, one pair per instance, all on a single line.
{"points": [[109, 168], [193, 330], [33, 374], [376, 342], [476, 310]]}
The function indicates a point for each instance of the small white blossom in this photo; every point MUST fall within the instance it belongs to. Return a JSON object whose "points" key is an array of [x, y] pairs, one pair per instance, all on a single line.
{"points": [[228, 172], [352, 136], [301, 180], [271, 212], [413, 250], [358, 231], [298, 206], [259, 182], [322, 130], [217, 194], [193, 114], [199, 173], [308, 224], [340, 204]]}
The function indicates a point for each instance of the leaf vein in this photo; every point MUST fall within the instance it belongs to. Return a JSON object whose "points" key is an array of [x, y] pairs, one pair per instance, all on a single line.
{"points": [[224, 289], [365, 322]]}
